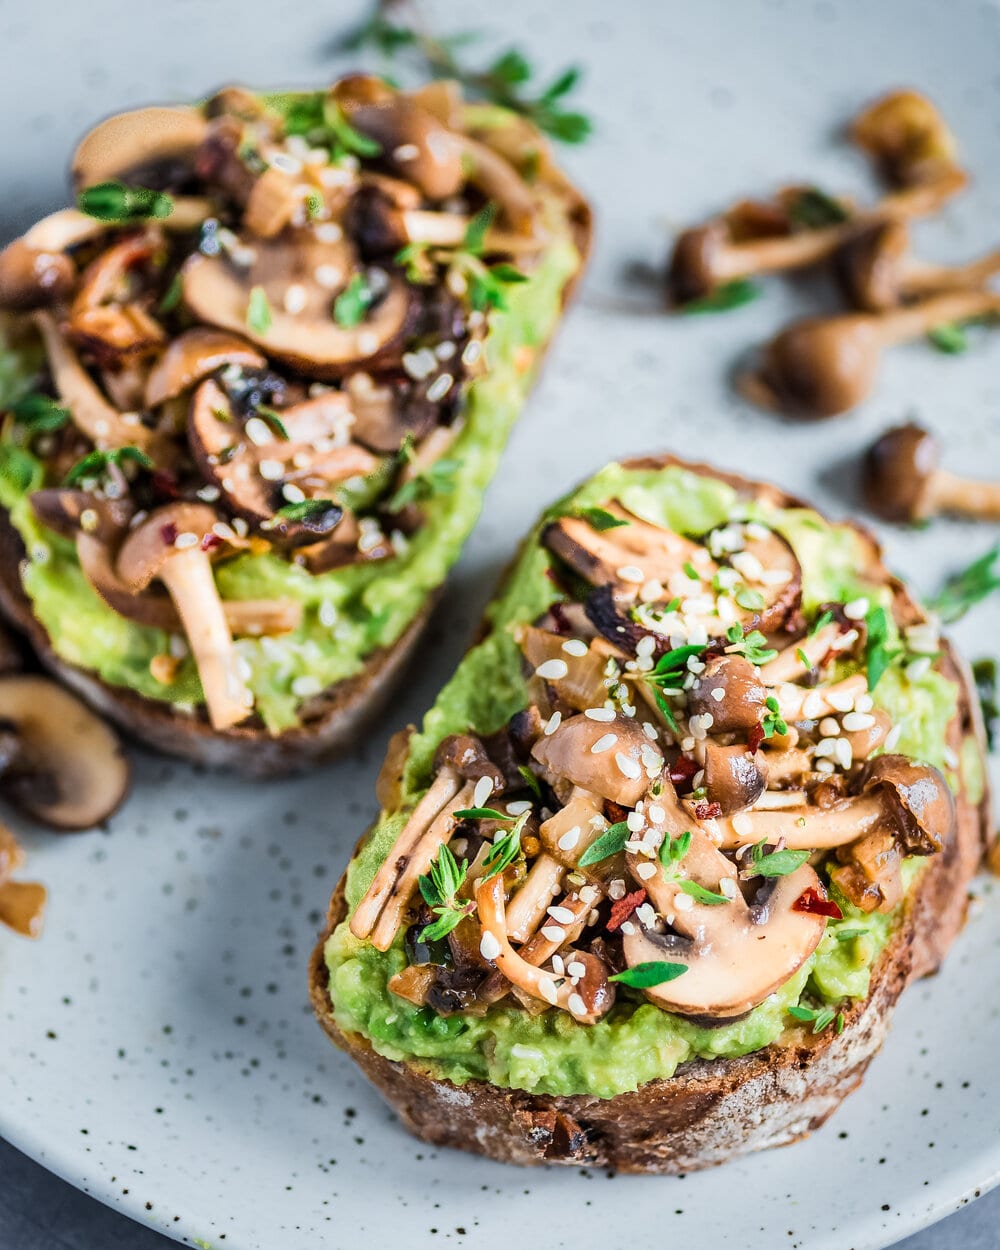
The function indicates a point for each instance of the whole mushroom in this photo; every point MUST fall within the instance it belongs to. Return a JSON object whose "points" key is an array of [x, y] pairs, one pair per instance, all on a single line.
{"points": [[902, 482]]}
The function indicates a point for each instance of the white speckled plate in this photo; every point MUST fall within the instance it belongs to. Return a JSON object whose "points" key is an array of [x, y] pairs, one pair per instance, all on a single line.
{"points": [[157, 1046]]}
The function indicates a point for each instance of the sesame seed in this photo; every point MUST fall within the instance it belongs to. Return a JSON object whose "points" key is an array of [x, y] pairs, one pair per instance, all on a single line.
{"points": [[919, 668], [575, 646], [552, 724], [630, 573], [604, 744], [327, 614], [293, 493], [627, 927], [483, 790], [286, 163], [635, 821], [858, 720], [742, 824], [683, 902], [856, 609], [864, 703], [599, 713], [271, 470], [576, 1005], [645, 871], [472, 352], [727, 886], [329, 232], [446, 349], [616, 890], [562, 915], [185, 540], [840, 700], [554, 933], [440, 387], [575, 968], [405, 152], [569, 839], [305, 686], [89, 520], [775, 577], [829, 727], [558, 966], [209, 494], [519, 807], [368, 343], [489, 946], [552, 670], [328, 276], [812, 706], [892, 737], [294, 299]]}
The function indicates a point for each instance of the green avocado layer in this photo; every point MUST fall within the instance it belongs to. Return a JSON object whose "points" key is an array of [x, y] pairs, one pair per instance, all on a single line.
{"points": [[363, 606], [636, 1042]]}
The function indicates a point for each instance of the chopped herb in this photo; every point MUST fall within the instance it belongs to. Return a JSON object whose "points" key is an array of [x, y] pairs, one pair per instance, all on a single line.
{"points": [[804, 658], [258, 311], [753, 644], [600, 520], [479, 813], [774, 863], [878, 655], [95, 463], [673, 850], [772, 721], [821, 622], [848, 935], [667, 710], [172, 295], [948, 338], [17, 466], [475, 234], [531, 781], [965, 589], [506, 81], [320, 119], [691, 572], [611, 841], [486, 285], [439, 889], [114, 201], [309, 511], [437, 479], [752, 600], [985, 673], [417, 261], [839, 1024], [273, 419], [700, 895], [812, 209], [653, 972], [820, 1018], [40, 414], [351, 306], [505, 850], [314, 205], [730, 295]]}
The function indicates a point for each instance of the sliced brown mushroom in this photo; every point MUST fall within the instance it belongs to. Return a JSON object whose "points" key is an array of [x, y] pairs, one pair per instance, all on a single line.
{"points": [[868, 872], [68, 770], [822, 366], [740, 705], [386, 413], [192, 356], [909, 139], [734, 777], [878, 272], [466, 754], [174, 545], [142, 145], [105, 319], [105, 426], [219, 292], [921, 804], [32, 278], [611, 758], [574, 671], [902, 482]]}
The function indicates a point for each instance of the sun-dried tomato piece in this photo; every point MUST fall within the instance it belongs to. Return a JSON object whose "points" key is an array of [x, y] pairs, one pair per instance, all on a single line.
{"points": [[682, 770], [817, 904], [754, 738], [622, 908], [708, 811]]}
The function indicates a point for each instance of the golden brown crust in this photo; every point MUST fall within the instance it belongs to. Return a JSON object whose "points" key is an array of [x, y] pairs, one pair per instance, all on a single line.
{"points": [[713, 1110]]}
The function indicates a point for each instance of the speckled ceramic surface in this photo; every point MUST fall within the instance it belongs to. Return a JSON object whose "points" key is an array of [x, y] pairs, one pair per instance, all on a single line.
{"points": [[157, 1045]]}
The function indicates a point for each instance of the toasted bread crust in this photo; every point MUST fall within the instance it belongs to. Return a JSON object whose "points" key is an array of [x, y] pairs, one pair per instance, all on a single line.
{"points": [[709, 1111]]}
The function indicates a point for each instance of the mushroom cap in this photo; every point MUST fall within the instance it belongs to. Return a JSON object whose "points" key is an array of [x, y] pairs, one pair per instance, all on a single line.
{"points": [[136, 142], [869, 263], [896, 472], [70, 771], [615, 772], [735, 778], [150, 545], [33, 278], [765, 946], [467, 756], [691, 273], [105, 317], [923, 803], [743, 695], [908, 137], [192, 356], [821, 366], [399, 126], [62, 509]]}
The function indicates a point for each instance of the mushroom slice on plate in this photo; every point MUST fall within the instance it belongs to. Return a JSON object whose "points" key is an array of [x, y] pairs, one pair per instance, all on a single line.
{"points": [[145, 145], [174, 545], [192, 356], [67, 770], [611, 758], [105, 318]]}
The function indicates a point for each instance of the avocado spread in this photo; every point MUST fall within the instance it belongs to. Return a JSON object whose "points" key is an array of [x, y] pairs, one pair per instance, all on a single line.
{"points": [[636, 1041]]}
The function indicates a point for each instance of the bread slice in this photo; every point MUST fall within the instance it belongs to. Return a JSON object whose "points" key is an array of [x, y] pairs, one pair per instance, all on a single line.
{"points": [[331, 720], [710, 1110]]}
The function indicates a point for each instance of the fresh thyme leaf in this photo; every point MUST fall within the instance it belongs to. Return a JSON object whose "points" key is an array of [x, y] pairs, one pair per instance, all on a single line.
{"points": [[671, 667], [258, 311], [820, 1018], [948, 338], [728, 296], [804, 658], [690, 572], [673, 850], [437, 479], [985, 673], [511, 67], [479, 813], [821, 622], [701, 895], [95, 463], [39, 413], [652, 972], [611, 841], [505, 850], [965, 589], [439, 889], [752, 600], [475, 233], [273, 419], [507, 273], [812, 209], [307, 510], [351, 306], [416, 260], [447, 920], [531, 781], [17, 466], [667, 710], [878, 655], [172, 295], [114, 201], [346, 140], [848, 935], [774, 863], [772, 721], [599, 519], [753, 645]]}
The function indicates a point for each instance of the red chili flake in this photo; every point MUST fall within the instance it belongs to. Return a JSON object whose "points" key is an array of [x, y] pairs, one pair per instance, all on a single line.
{"points": [[614, 811], [168, 533], [559, 618], [754, 738], [165, 484], [622, 908], [708, 811], [682, 769], [210, 542], [811, 901]]}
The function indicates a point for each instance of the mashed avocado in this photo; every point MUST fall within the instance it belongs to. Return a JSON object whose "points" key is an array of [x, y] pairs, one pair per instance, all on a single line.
{"points": [[350, 611], [636, 1042]]}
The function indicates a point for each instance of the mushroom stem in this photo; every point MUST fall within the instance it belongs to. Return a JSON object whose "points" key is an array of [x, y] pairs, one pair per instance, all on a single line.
{"points": [[949, 492], [805, 828], [527, 909], [923, 278], [188, 578], [789, 664], [799, 703], [910, 323], [902, 482]]}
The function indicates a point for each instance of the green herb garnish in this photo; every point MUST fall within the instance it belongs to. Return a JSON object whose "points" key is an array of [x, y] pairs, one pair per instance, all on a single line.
{"points": [[273, 419], [673, 850], [17, 466], [772, 721], [505, 850], [820, 1018], [351, 306], [40, 414], [812, 209], [480, 813], [320, 119], [258, 311], [724, 298], [700, 895], [645, 975], [985, 673], [948, 338], [306, 510], [848, 935], [439, 889], [599, 519], [172, 295], [531, 781], [803, 658], [611, 841], [878, 655], [821, 622], [437, 479], [751, 600], [114, 201], [774, 863], [753, 644], [965, 589], [95, 463]]}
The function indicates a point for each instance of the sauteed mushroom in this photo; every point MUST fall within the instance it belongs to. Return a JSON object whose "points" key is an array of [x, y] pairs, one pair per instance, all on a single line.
{"points": [[147, 145], [902, 482], [112, 328], [611, 758], [822, 366], [192, 356], [909, 139]]}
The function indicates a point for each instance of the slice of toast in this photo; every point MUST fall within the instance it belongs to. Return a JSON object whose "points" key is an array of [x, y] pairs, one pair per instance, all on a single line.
{"points": [[709, 1110], [530, 208]]}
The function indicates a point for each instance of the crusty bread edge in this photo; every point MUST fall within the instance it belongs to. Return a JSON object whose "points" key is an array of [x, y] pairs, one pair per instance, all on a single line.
{"points": [[336, 717], [709, 1111]]}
